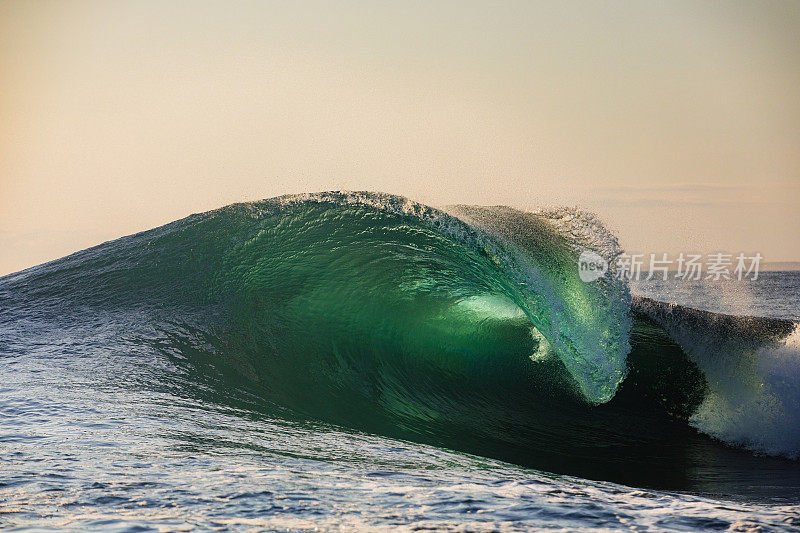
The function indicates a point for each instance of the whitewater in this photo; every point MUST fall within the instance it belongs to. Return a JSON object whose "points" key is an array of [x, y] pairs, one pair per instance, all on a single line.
{"points": [[360, 360]]}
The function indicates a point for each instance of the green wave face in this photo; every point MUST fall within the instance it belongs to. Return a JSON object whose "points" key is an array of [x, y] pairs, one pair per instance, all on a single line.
{"points": [[394, 275], [353, 285]]}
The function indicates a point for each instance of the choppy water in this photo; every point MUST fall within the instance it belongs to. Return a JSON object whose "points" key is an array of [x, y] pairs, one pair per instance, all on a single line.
{"points": [[420, 380], [772, 294]]}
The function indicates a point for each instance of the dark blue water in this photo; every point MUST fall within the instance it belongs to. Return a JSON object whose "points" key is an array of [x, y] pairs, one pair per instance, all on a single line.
{"points": [[86, 446], [118, 412]]}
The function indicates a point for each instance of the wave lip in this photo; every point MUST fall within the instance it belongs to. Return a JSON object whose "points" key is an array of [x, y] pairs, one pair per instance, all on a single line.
{"points": [[587, 324]]}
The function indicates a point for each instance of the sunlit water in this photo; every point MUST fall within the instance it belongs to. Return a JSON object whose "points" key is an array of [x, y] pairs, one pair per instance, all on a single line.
{"points": [[116, 414], [88, 441], [81, 452]]}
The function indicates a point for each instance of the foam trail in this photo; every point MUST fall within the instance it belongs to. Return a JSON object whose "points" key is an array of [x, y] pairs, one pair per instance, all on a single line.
{"points": [[756, 404], [752, 368]]}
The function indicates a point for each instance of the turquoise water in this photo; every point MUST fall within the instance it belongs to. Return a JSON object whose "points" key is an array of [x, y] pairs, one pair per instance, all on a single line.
{"points": [[362, 361]]}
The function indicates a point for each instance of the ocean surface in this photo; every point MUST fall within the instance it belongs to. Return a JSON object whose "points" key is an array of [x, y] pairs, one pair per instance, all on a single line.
{"points": [[360, 361]]}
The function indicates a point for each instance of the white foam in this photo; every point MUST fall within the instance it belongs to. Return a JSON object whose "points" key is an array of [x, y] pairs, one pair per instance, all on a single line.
{"points": [[754, 403]]}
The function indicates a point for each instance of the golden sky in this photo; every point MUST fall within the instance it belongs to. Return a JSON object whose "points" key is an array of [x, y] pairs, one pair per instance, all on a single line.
{"points": [[679, 124]]}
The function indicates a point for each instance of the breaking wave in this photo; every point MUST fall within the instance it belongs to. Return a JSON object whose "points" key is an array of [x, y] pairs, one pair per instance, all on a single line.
{"points": [[467, 327]]}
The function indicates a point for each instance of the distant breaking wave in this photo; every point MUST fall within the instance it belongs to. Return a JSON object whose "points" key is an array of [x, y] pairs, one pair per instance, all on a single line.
{"points": [[466, 327], [752, 368]]}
